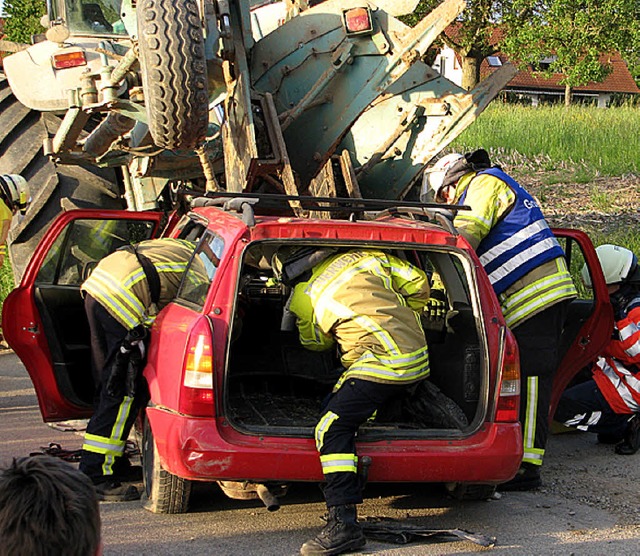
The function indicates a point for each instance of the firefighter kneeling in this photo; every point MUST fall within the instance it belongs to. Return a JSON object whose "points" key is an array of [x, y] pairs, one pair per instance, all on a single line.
{"points": [[369, 303], [122, 297]]}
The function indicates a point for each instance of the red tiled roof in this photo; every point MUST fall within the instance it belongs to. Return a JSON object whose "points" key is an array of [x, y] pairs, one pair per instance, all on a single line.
{"points": [[619, 80]]}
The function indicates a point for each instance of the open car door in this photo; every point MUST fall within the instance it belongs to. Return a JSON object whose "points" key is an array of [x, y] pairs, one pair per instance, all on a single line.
{"points": [[589, 321], [43, 318]]}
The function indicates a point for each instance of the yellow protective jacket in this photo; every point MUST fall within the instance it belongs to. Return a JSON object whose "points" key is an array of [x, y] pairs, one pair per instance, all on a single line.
{"points": [[5, 223], [119, 283], [368, 302], [490, 199]]}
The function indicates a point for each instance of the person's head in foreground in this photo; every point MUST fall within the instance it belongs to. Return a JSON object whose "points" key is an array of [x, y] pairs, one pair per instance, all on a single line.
{"points": [[47, 508]]}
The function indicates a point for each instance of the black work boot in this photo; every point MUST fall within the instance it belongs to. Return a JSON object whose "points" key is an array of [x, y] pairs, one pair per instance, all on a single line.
{"points": [[631, 441], [110, 490], [341, 534], [527, 478]]}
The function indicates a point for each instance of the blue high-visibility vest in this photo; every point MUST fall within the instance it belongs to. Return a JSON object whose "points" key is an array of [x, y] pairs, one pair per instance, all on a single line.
{"points": [[519, 242]]}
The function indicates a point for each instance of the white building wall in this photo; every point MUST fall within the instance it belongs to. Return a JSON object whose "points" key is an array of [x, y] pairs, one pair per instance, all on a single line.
{"points": [[447, 65]]}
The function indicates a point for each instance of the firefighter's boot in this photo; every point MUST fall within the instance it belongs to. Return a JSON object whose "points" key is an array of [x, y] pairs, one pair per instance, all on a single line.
{"points": [[341, 534]]}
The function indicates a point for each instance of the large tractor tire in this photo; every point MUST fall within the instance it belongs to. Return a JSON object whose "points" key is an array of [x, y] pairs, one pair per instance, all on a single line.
{"points": [[174, 72], [22, 132]]}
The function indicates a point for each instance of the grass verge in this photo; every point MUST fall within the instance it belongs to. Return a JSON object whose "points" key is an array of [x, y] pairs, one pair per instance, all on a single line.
{"points": [[6, 281]]}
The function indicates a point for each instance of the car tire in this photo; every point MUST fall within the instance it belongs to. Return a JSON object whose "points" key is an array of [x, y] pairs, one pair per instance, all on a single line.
{"points": [[164, 493], [174, 72], [22, 132], [470, 491]]}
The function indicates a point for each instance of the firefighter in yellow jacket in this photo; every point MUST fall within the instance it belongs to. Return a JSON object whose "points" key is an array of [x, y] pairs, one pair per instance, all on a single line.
{"points": [[368, 302], [14, 198], [528, 271], [122, 297]]}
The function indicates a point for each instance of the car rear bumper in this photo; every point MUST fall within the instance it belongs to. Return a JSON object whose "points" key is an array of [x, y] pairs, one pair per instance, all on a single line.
{"points": [[209, 450]]}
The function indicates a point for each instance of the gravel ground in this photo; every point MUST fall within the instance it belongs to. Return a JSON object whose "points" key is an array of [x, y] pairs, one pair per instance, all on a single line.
{"points": [[582, 470], [601, 206]]}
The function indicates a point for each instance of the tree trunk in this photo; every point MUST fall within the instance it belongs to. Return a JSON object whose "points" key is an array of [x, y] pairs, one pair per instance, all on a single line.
{"points": [[470, 72], [567, 95]]}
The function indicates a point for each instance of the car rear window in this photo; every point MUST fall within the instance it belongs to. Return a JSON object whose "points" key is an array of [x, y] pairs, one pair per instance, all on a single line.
{"points": [[202, 269]]}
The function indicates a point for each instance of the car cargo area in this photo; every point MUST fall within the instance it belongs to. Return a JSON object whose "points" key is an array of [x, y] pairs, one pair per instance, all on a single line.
{"points": [[275, 386]]}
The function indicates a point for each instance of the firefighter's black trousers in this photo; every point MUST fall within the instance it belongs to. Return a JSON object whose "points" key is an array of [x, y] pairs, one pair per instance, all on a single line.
{"points": [[347, 409], [113, 417], [538, 342], [584, 407]]}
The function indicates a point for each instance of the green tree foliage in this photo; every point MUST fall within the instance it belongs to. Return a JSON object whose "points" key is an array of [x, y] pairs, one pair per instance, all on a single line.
{"points": [[574, 36], [22, 19]]}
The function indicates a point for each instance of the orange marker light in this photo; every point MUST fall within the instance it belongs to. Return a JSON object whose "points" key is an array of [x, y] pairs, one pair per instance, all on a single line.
{"points": [[69, 59]]}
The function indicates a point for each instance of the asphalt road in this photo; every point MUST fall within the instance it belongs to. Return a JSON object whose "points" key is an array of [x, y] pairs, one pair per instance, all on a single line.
{"points": [[566, 517]]}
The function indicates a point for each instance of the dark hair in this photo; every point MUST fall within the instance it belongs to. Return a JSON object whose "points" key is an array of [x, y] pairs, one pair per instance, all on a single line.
{"points": [[47, 508]]}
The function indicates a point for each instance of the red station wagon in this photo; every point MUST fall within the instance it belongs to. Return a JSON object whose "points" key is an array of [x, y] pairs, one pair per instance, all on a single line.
{"points": [[234, 397]]}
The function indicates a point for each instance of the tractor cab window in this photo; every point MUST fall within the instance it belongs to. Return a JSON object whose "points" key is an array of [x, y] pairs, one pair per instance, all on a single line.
{"points": [[95, 17]]}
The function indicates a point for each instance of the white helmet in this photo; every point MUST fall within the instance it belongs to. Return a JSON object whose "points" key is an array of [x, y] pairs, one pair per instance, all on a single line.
{"points": [[434, 176], [618, 264], [15, 191]]}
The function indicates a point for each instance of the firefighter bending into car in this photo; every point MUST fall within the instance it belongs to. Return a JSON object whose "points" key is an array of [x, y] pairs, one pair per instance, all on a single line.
{"points": [[528, 271], [122, 297], [368, 302], [609, 403]]}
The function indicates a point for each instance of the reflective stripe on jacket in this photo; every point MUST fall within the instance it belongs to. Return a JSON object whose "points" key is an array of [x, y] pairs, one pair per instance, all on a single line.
{"points": [[517, 242], [543, 287], [522, 257], [618, 384], [368, 302], [5, 223], [625, 347], [616, 373], [119, 283]]}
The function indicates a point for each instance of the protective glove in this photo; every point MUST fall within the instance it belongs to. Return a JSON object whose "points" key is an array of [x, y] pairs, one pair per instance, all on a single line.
{"points": [[437, 306]]}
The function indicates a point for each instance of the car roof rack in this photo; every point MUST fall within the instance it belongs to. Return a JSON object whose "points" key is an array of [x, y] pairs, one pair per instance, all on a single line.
{"points": [[244, 203]]}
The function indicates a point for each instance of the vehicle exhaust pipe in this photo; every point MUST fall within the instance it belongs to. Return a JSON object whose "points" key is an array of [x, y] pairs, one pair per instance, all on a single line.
{"points": [[246, 490], [269, 499]]}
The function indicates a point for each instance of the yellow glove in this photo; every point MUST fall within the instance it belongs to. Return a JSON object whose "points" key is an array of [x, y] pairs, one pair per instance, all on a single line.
{"points": [[437, 306]]}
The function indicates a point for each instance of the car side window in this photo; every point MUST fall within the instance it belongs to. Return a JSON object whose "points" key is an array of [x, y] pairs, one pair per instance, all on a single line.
{"points": [[83, 243], [201, 270], [575, 261]]}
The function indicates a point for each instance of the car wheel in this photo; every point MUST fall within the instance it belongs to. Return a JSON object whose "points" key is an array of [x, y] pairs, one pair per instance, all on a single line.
{"points": [[164, 493], [174, 72], [470, 491]]}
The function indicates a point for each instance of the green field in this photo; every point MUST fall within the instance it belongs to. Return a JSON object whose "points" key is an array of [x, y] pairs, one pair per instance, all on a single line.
{"points": [[587, 140]]}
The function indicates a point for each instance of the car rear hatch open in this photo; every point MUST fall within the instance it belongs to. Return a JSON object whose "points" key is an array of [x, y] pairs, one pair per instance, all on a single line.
{"points": [[276, 387]]}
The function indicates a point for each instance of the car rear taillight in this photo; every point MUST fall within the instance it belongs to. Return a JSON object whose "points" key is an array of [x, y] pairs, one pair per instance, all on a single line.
{"points": [[71, 59], [196, 395], [357, 21], [508, 405]]}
